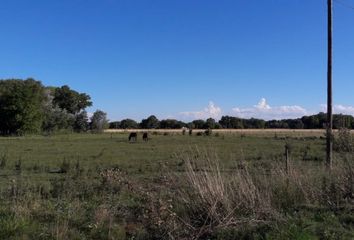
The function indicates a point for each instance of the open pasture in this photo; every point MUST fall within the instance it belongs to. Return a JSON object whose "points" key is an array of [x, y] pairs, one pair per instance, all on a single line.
{"points": [[114, 149], [101, 186]]}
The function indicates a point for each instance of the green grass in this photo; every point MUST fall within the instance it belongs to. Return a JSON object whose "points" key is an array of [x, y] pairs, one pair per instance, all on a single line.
{"points": [[104, 150], [89, 201]]}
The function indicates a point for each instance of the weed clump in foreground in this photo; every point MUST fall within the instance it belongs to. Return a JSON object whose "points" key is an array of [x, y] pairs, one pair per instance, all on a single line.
{"points": [[260, 202], [215, 199], [344, 141]]}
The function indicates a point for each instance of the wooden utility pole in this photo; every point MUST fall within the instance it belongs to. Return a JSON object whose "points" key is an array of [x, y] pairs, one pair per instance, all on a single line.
{"points": [[329, 88]]}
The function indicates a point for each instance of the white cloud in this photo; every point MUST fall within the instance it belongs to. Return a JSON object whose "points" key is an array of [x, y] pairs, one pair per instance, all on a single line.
{"points": [[264, 111], [338, 108], [262, 105], [211, 111]]}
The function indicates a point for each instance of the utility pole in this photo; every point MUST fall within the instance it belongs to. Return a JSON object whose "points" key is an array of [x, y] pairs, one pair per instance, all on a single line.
{"points": [[329, 88]]}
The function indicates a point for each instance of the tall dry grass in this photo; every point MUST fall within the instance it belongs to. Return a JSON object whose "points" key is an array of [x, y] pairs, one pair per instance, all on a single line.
{"points": [[217, 198]]}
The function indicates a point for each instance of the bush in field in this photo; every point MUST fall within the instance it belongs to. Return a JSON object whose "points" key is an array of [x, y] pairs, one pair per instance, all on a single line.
{"points": [[214, 200], [344, 141], [190, 132], [3, 160], [208, 132]]}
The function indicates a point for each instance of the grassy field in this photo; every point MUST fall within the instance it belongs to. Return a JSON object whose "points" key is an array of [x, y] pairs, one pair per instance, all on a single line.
{"points": [[230, 185]]}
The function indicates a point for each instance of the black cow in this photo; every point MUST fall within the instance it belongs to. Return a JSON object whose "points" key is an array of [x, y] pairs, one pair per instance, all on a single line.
{"points": [[145, 136], [133, 136]]}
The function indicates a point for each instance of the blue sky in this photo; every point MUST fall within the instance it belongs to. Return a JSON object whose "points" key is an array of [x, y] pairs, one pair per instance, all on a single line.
{"points": [[184, 59]]}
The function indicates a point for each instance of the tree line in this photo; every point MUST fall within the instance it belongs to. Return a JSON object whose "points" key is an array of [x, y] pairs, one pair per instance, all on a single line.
{"points": [[317, 121], [29, 107]]}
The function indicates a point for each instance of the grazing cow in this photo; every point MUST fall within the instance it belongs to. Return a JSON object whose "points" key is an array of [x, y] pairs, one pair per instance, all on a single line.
{"points": [[208, 132], [145, 136], [133, 136]]}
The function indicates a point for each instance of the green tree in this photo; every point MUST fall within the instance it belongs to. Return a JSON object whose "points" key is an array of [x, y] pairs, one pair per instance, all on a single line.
{"points": [[70, 100], [99, 121], [231, 122], [210, 123], [199, 124], [21, 106], [171, 124], [81, 123], [253, 123], [150, 122], [114, 125], [56, 119], [128, 123]]}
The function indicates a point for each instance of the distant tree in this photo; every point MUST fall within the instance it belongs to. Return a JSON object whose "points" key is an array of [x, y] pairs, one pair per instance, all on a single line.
{"points": [[271, 124], [284, 124], [295, 123], [21, 106], [254, 123], [322, 118], [114, 125], [70, 100], [171, 124], [190, 125], [81, 123], [342, 121], [199, 124], [99, 121], [210, 123], [128, 123], [231, 122], [311, 122], [150, 122]]}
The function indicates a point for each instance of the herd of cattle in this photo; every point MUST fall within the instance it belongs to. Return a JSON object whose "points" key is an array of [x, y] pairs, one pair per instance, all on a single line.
{"points": [[133, 136]]}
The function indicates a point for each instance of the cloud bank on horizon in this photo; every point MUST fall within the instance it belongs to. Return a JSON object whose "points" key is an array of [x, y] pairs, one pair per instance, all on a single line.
{"points": [[349, 110], [211, 111], [262, 110]]}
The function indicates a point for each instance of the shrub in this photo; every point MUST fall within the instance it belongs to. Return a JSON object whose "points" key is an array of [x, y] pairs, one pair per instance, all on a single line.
{"points": [[3, 160], [65, 166], [208, 132], [344, 141], [216, 199]]}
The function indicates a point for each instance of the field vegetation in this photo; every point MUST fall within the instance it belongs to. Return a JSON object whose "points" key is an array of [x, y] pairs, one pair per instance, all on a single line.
{"points": [[221, 186]]}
